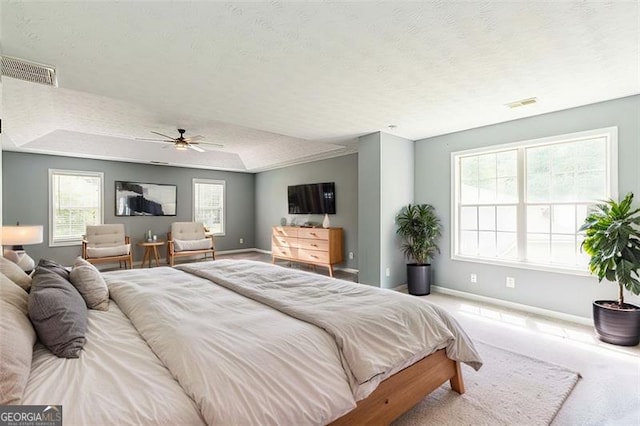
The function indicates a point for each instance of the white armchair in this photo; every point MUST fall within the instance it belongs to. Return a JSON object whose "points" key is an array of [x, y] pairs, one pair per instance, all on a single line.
{"points": [[188, 239], [107, 244]]}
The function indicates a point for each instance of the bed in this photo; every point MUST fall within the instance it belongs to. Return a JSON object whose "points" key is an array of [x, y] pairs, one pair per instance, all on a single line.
{"points": [[242, 342]]}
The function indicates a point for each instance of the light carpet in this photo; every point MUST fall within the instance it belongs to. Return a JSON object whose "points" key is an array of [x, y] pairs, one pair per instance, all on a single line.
{"points": [[509, 389]]}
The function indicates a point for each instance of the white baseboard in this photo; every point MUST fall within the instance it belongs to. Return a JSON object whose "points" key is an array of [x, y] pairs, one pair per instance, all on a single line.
{"points": [[262, 251], [512, 305]]}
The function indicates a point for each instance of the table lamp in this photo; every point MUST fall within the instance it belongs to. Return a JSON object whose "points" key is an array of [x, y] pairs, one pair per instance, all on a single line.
{"points": [[18, 236]]}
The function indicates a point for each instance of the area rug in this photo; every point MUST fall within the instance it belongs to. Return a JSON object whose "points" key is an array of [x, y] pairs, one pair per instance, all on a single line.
{"points": [[509, 389]]}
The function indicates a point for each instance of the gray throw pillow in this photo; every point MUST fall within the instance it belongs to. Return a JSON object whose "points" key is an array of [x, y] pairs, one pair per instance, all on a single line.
{"points": [[58, 313], [54, 267]]}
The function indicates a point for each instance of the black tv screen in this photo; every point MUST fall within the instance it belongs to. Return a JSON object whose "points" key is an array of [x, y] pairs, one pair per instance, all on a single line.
{"points": [[145, 199], [312, 198]]}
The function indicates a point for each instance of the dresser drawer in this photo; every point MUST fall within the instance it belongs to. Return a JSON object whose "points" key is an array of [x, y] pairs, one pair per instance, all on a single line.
{"points": [[286, 242], [313, 233], [313, 256], [320, 245], [285, 231], [287, 252]]}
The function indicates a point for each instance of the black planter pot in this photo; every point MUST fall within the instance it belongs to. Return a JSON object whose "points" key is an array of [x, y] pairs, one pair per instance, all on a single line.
{"points": [[618, 327], [418, 279]]}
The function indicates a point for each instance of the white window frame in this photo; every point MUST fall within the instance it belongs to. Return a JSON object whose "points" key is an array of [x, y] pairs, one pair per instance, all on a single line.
{"points": [[73, 241], [610, 133], [223, 212]]}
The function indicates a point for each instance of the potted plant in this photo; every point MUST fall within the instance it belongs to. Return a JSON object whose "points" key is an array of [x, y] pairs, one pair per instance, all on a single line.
{"points": [[419, 228], [613, 242]]}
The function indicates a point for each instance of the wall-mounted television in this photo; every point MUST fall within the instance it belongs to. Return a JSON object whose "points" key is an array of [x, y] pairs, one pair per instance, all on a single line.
{"points": [[145, 199], [312, 198]]}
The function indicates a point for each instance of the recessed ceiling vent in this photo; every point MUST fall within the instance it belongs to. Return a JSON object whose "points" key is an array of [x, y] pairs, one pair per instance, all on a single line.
{"points": [[522, 102], [29, 71]]}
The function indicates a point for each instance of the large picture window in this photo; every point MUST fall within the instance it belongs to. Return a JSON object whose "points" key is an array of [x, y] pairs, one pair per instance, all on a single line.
{"points": [[523, 203], [208, 204], [75, 201]]}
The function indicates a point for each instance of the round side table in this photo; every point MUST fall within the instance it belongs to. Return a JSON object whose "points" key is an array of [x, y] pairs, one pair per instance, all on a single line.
{"points": [[150, 248]]}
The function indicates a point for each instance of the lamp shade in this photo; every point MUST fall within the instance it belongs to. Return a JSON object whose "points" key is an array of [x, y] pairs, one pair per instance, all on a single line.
{"points": [[21, 235]]}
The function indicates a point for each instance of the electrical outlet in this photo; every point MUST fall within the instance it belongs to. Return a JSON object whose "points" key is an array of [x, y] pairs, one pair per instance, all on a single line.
{"points": [[350, 255], [241, 240], [511, 282], [473, 278], [388, 272]]}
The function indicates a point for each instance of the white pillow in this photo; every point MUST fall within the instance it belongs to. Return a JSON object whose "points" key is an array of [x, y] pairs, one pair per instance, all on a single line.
{"points": [[108, 251], [187, 245], [15, 273], [16, 342], [90, 284]]}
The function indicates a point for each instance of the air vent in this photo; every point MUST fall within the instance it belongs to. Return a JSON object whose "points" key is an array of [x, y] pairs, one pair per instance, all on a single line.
{"points": [[29, 71], [159, 162], [522, 102]]}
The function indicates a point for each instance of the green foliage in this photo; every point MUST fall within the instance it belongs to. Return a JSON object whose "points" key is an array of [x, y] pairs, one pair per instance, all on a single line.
{"points": [[613, 242], [419, 227]]}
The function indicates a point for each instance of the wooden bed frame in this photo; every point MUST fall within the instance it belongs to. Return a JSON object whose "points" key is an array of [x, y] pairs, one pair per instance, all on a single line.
{"points": [[400, 392]]}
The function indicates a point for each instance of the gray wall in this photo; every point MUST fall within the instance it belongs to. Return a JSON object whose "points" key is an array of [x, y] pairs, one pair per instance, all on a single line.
{"points": [[25, 196], [396, 191], [271, 199], [559, 292], [369, 209], [385, 185]]}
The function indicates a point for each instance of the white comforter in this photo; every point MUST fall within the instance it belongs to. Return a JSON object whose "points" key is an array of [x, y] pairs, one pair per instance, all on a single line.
{"points": [[242, 362], [378, 332], [116, 381], [246, 361]]}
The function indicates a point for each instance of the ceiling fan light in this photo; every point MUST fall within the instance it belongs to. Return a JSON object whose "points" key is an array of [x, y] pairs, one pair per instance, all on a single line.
{"points": [[182, 146]]}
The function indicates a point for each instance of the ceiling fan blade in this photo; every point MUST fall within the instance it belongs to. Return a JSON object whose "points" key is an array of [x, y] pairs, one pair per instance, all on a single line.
{"points": [[196, 148], [154, 140], [219, 145], [163, 135]]}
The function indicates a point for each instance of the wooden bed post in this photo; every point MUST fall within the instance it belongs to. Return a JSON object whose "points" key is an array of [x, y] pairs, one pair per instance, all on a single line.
{"points": [[400, 392], [456, 382]]}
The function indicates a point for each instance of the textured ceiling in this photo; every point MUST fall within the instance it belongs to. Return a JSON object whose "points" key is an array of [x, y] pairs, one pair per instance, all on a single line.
{"points": [[284, 82]]}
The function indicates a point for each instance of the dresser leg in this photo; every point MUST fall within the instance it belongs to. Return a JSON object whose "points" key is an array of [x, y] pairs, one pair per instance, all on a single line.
{"points": [[331, 271]]}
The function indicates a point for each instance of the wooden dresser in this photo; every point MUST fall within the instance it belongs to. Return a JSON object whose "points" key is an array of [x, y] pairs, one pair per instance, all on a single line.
{"points": [[315, 246]]}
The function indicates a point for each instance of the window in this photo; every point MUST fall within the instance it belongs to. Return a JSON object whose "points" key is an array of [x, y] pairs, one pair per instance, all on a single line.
{"points": [[208, 204], [523, 203], [75, 201]]}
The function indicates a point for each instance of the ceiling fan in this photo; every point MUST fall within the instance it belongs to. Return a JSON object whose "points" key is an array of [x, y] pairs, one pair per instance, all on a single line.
{"points": [[181, 143]]}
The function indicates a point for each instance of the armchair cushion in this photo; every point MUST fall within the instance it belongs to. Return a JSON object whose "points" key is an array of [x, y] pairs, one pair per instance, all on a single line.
{"points": [[119, 250], [105, 235], [187, 245], [187, 231]]}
